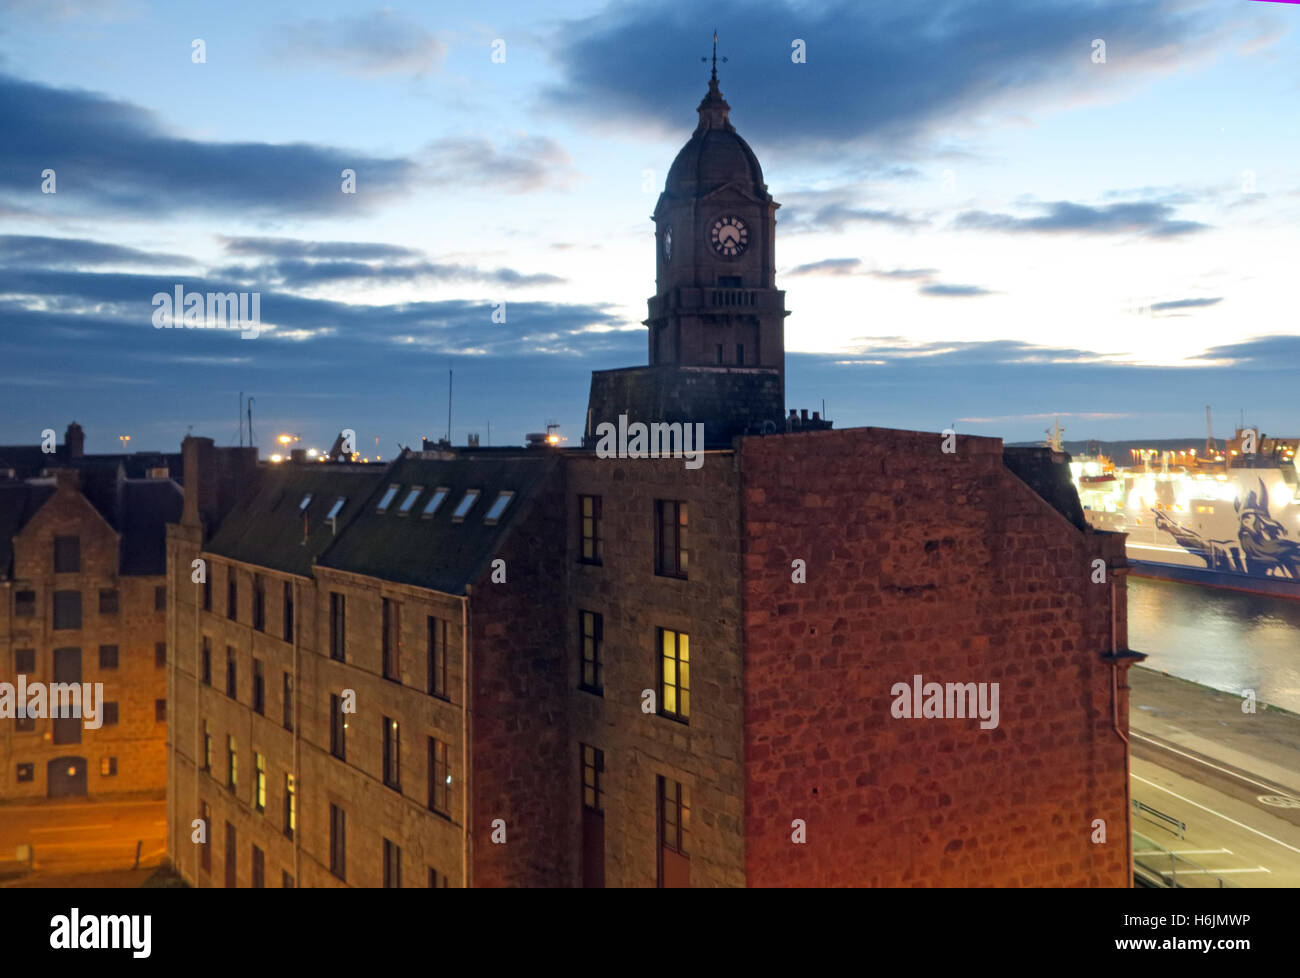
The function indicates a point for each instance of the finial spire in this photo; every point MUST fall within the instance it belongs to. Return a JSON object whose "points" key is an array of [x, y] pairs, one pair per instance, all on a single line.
{"points": [[713, 77]]}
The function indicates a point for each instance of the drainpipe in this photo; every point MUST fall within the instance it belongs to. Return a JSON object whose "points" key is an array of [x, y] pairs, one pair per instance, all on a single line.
{"points": [[198, 667], [465, 733], [1114, 705], [297, 731]]}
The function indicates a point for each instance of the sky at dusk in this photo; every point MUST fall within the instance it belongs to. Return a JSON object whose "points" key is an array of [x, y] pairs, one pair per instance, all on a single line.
{"points": [[982, 223]]}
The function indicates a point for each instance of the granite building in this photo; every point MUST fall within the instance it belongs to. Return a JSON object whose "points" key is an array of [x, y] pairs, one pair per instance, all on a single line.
{"points": [[549, 667]]}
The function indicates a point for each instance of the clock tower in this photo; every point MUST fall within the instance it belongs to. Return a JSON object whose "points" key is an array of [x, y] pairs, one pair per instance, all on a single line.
{"points": [[716, 323]]}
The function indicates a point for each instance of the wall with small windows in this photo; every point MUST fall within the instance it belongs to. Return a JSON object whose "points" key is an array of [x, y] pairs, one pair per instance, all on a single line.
{"points": [[67, 600]]}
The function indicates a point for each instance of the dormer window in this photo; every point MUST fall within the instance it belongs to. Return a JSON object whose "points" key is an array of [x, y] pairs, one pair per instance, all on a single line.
{"points": [[498, 507], [465, 505], [387, 499], [338, 505], [410, 499], [306, 501], [434, 502]]}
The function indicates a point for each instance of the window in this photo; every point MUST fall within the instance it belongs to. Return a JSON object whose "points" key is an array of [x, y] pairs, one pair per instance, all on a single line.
{"points": [[392, 754], [232, 673], [589, 517], [207, 746], [304, 503], [207, 660], [434, 502], [24, 661], [286, 698], [338, 745], [26, 772], [290, 806], [498, 507], [392, 865], [719, 353], [26, 724], [108, 657], [336, 508], [232, 595], [338, 625], [437, 648], [232, 763], [160, 711], [259, 782], [230, 856], [207, 589], [671, 556], [108, 603], [24, 604], [108, 767], [67, 610], [286, 881], [392, 642], [674, 675], [205, 850], [439, 778], [593, 766], [729, 281], [338, 842], [287, 629], [67, 555], [674, 833], [386, 500], [160, 598], [259, 603], [592, 627], [463, 507], [259, 869], [409, 501], [436, 880], [259, 688], [160, 655], [110, 714], [740, 353]]}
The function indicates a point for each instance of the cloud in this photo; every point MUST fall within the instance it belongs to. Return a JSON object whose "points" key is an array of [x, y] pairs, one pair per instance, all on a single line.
{"points": [[838, 216], [119, 157], [1185, 304], [22, 249], [525, 164], [378, 43], [875, 73], [953, 291], [827, 266], [905, 273], [1147, 218], [299, 248]]}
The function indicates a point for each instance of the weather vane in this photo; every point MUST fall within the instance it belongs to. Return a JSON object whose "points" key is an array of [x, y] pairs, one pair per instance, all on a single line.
{"points": [[714, 76]]}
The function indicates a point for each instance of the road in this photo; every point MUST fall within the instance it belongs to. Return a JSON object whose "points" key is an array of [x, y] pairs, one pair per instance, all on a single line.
{"points": [[75, 836], [1231, 833]]}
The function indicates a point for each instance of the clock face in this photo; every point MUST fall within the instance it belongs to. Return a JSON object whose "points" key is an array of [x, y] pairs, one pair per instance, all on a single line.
{"points": [[730, 237], [668, 243]]}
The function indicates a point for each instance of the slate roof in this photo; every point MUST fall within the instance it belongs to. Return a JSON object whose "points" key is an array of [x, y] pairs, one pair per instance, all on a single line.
{"points": [[148, 505], [438, 552], [266, 527], [19, 501]]}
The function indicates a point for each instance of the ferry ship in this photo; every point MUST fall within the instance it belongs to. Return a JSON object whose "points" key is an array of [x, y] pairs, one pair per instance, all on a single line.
{"points": [[1226, 518]]}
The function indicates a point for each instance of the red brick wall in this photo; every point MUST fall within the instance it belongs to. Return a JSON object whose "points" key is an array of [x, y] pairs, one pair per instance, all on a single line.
{"points": [[950, 567]]}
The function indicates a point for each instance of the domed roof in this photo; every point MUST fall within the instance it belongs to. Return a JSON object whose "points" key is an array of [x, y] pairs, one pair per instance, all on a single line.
{"points": [[714, 155]]}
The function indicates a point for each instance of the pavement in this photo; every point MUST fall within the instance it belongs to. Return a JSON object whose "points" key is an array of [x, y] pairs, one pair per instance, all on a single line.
{"points": [[76, 841], [1231, 778]]}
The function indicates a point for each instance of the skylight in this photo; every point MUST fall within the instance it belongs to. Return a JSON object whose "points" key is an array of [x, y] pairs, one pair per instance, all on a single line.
{"points": [[465, 505], [410, 499], [434, 502], [389, 493], [338, 505], [499, 506], [306, 501]]}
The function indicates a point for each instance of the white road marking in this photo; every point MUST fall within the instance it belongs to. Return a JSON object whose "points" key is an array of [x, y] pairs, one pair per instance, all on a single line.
{"points": [[1242, 825], [1199, 852], [1220, 872], [1174, 750]]}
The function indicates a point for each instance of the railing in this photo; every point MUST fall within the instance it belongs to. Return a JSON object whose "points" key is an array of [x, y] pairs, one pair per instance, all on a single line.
{"points": [[1160, 818], [733, 297], [1154, 865]]}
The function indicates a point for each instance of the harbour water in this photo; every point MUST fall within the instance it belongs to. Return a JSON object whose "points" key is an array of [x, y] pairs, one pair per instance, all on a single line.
{"points": [[1225, 639]]}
